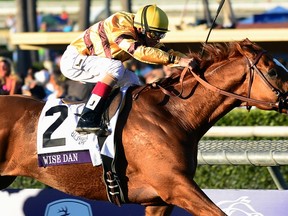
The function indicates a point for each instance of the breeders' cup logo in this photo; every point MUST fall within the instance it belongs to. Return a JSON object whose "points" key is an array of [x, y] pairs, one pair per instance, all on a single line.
{"points": [[238, 207], [68, 207]]}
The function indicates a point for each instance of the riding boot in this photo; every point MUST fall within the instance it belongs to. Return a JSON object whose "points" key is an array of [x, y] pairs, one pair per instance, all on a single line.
{"points": [[90, 118]]}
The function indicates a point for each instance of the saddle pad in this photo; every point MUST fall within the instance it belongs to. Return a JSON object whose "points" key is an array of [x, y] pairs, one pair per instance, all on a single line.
{"points": [[58, 143]]}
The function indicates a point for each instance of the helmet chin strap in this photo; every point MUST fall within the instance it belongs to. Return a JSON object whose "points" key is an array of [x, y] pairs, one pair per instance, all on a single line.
{"points": [[144, 23]]}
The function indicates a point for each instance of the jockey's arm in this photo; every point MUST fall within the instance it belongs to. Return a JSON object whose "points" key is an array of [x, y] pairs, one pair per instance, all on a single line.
{"points": [[150, 55]]}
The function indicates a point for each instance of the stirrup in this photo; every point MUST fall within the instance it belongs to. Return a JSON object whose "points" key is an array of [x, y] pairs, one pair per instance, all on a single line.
{"points": [[87, 130], [88, 123], [99, 131]]}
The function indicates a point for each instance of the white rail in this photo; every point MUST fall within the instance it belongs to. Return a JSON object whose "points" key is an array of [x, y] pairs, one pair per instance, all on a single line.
{"points": [[235, 151], [269, 153], [248, 131]]}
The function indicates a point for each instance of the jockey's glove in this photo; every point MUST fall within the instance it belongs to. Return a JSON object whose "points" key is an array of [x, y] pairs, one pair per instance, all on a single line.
{"points": [[191, 63]]}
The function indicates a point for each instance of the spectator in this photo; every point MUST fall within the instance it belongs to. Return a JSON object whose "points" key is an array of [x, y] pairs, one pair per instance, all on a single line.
{"points": [[58, 84], [78, 91], [44, 54], [168, 71], [68, 27], [42, 78], [154, 75], [39, 19], [229, 20], [31, 87], [64, 17], [10, 82], [150, 75], [10, 23]]}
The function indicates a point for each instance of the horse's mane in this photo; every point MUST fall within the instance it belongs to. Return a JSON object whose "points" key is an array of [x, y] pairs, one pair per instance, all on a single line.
{"points": [[216, 52]]}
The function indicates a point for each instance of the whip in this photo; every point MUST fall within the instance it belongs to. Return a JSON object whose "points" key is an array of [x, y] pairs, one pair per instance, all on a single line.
{"points": [[213, 23]]}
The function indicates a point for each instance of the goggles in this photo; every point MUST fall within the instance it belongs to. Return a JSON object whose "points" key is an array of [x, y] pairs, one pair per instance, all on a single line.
{"points": [[156, 35]]}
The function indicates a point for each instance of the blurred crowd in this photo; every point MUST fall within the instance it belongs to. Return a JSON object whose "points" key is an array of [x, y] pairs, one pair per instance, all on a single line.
{"points": [[46, 83], [46, 22]]}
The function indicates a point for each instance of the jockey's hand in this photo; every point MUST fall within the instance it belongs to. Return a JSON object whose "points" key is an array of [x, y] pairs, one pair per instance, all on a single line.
{"points": [[188, 62], [193, 65]]}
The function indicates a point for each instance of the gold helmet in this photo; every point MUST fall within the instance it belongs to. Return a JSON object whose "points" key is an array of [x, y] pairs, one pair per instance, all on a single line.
{"points": [[151, 18]]}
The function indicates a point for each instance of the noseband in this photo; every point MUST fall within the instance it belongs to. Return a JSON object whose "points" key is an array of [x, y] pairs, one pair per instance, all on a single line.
{"points": [[282, 97]]}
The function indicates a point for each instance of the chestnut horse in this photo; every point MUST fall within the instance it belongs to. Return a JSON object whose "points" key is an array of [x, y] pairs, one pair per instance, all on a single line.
{"points": [[157, 132]]}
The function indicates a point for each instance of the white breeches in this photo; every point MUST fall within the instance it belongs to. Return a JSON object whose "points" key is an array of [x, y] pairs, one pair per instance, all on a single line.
{"points": [[92, 69]]}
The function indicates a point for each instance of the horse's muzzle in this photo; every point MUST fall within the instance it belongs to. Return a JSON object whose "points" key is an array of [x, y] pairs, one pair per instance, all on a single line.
{"points": [[283, 103]]}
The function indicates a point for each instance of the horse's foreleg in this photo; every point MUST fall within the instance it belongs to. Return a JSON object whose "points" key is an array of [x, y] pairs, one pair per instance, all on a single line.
{"points": [[186, 194], [158, 210]]}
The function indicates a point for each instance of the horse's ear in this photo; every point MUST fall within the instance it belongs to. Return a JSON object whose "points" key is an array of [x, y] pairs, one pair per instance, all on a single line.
{"points": [[247, 41], [245, 47]]}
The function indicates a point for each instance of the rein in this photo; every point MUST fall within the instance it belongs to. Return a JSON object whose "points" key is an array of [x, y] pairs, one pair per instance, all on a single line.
{"points": [[158, 85], [229, 94]]}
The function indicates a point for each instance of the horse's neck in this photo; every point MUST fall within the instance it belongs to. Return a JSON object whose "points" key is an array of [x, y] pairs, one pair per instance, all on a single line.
{"points": [[202, 112], [205, 107]]}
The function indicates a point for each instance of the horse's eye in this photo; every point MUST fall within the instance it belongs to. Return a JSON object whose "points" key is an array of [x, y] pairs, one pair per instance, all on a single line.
{"points": [[272, 73]]}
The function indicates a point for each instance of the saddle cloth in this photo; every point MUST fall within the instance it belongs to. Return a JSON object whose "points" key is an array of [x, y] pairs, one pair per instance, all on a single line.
{"points": [[58, 143]]}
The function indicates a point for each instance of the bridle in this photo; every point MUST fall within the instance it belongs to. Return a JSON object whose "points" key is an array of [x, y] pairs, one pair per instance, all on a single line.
{"points": [[280, 104], [282, 97]]}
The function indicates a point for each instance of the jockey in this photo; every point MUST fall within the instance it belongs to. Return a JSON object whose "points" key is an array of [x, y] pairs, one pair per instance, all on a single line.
{"points": [[97, 56]]}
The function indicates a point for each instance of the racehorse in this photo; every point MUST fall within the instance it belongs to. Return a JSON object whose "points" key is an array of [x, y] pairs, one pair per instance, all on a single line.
{"points": [[158, 130]]}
